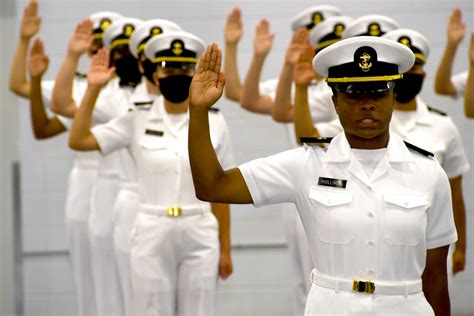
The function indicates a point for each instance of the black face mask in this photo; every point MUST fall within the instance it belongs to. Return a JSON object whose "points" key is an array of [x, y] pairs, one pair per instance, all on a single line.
{"points": [[149, 69], [175, 88], [127, 70], [407, 88]]}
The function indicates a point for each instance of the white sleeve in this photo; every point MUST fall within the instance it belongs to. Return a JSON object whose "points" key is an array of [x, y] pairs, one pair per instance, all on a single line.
{"points": [[222, 143], [459, 82], [268, 87], [116, 134], [455, 162], [329, 129], [321, 105], [440, 230], [274, 179], [47, 87]]}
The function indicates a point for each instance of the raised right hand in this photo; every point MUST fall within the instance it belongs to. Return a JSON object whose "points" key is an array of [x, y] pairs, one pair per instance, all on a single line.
{"points": [[263, 40], [38, 61], [303, 72], [233, 27], [297, 45], [81, 38], [30, 22], [456, 27], [99, 72]]}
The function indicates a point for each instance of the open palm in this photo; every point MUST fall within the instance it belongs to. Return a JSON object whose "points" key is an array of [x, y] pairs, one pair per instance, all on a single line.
{"points": [[233, 28], [208, 82], [263, 41], [31, 22], [304, 73], [82, 38], [38, 61], [99, 72], [456, 27]]}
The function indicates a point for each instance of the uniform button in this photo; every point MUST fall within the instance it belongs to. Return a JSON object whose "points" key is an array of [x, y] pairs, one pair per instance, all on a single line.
{"points": [[371, 243], [371, 215], [371, 271], [406, 204]]}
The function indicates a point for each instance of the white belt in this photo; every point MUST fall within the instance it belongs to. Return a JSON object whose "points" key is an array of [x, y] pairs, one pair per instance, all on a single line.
{"points": [[130, 186], [86, 163], [175, 210], [366, 286]]}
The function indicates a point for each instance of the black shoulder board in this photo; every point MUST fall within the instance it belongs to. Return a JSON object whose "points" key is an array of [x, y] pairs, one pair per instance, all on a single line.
{"points": [[143, 103], [81, 75], [213, 109], [437, 111], [419, 150], [317, 140], [154, 133]]}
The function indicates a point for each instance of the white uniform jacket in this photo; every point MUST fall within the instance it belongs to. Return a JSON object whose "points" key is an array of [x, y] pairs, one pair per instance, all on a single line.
{"points": [[376, 228]]}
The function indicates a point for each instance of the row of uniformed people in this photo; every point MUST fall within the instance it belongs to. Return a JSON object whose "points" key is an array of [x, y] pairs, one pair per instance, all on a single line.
{"points": [[104, 193], [420, 124], [326, 36]]}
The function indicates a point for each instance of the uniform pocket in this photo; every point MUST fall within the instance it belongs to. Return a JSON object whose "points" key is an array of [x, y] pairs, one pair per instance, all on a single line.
{"points": [[333, 211], [156, 153], [405, 218]]}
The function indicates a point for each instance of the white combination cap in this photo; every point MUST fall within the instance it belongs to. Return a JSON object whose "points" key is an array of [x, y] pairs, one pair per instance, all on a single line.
{"points": [[363, 63], [119, 32], [176, 46], [328, 31], [313, 16], [148, 30], [370, 25], [414, 40], [102, 20]]}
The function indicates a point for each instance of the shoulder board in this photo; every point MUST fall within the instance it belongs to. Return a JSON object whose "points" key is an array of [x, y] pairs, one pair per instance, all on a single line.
{"points": [[437, 111], [143, 103], [81, 75], [215, 110], [317, 140], [419, 150]]}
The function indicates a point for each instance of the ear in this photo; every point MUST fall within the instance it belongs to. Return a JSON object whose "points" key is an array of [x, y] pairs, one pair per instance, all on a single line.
{"points": [[155, 78]]}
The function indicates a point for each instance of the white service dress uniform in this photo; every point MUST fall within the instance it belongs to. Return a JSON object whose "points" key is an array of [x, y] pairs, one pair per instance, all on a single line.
{"points": [[459, 81], [368, 215], [174, 259], [322, 109], [127, 204], [82, 178]]}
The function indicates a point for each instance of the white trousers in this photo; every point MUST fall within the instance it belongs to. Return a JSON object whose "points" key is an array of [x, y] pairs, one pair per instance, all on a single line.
{"points": [[125, 211], [108, 293], [77, 211], [301, 263], [327, 302], [175, 265]]}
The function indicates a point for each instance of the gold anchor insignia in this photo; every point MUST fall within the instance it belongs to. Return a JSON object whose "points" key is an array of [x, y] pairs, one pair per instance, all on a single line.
{"points": [[405, 41], [155, 31], [128, 30], [365, 65], [317, 18], [104, 24], [374, 29], [339, 29], [177, 48]]}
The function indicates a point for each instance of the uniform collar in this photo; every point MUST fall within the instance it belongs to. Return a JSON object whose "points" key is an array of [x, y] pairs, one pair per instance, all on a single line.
{"points": [[339, 150], [422, 113]]}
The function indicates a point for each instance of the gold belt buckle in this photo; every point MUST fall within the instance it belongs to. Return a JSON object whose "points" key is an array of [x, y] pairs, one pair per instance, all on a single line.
{"points": [[175, 211], [359, 286]]}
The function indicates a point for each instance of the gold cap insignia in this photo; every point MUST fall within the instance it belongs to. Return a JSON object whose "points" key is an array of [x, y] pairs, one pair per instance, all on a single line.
{"points": [[317, 18], [155, 31], [339, 29], [365, 64], [105, 23], [177, 48], [128, 30], [405, 41], [374, 29]]}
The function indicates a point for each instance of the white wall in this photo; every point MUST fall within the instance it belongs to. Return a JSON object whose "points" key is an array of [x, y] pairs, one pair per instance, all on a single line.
{"points": [[260, 284]]}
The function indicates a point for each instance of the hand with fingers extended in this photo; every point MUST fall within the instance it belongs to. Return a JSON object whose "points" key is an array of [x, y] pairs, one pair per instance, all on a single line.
{"points": [[233, 27], [303, 72], [456, 27], [30, 22], [99, 72], [81, 39], [208, 82], [263, 41], [298, 43], [38, 61], [471, 50]]}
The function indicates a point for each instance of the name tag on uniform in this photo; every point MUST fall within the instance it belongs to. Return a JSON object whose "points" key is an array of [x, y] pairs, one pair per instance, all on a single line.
{"points": [[154, 133], [330, 182]]}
